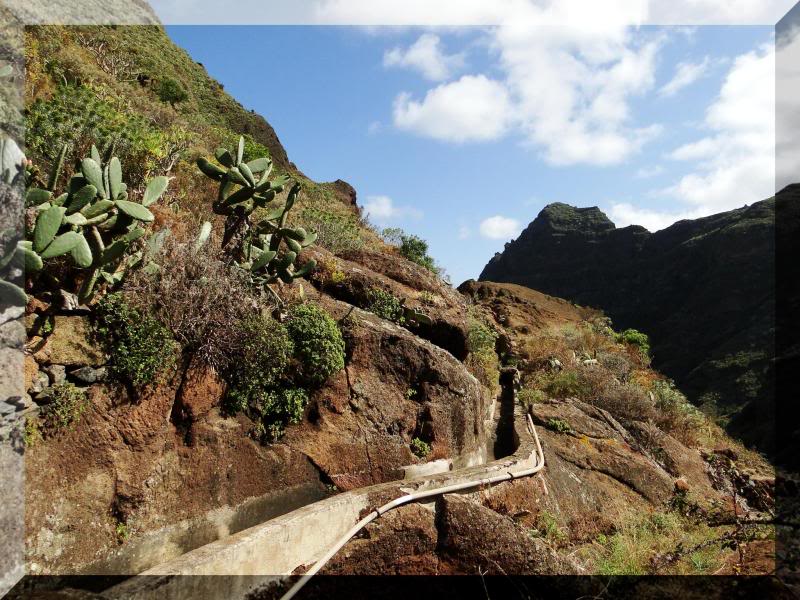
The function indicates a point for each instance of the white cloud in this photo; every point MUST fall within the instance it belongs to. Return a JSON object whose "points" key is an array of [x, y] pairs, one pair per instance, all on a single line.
{"points": [[574, 86], [426, 56], [464, 232], [712, 12], [481, 12], [735, 163], [374, 127], [383, 210], [499, 227], [458, 12], [565, 90], [473, 108], [648, 172], [624, 214], [686, 73]]}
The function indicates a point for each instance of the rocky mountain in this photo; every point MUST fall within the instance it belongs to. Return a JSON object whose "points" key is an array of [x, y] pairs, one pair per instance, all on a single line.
{"points": [[196, 401], [703, 290]]}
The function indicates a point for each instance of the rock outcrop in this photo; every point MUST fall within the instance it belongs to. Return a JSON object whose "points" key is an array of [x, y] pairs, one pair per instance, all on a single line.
{"points": [[703, 290], [168, 455]]}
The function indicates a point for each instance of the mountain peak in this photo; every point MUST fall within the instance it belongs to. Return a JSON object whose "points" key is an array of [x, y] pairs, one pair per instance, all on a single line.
{"points": [[564, 217]]}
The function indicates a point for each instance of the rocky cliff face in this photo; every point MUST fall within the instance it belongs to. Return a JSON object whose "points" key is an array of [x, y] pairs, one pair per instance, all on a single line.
{"points": [[144, 475], [703, 290]]}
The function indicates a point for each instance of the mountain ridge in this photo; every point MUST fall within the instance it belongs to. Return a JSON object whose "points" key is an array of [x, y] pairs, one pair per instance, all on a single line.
{"points": [[700, 288]]}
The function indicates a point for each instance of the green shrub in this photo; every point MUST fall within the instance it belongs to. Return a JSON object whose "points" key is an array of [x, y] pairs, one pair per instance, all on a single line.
{"points": [[78, 116], [480, 337], [277, 408], [530, 396], [483, 361], [252, 149], [674, 413], [412, 247], [559, 425], [141, 348], [122, 531], [318, 343], [385, 304], [420, 448], [65, 408], [565, 384], [263, 352], [636, 338], [547, 527], [32, 434], [169, 90]]}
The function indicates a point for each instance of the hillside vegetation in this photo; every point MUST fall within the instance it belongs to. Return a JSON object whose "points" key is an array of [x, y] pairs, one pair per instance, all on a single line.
{"points": [[131, 86], [213, 340]]}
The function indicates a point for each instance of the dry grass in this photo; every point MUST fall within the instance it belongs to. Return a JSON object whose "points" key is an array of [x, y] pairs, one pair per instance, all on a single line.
{"points": [[585, 361], [196, 296], [640, 543]]}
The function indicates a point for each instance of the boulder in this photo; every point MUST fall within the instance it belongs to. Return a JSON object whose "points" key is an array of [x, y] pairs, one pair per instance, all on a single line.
{"points": [[39, 382], [594, 441], [89, 375], [56, 373], [395, 386], [71, 344], [415, 286], [401, 542], [472, 536]]}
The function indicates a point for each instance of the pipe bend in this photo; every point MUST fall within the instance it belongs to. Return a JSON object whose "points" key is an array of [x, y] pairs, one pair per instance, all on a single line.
{"points": [[380, 511]]}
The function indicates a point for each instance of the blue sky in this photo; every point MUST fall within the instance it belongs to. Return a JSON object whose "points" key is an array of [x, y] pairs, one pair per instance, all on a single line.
{"points": [[462, 135]]}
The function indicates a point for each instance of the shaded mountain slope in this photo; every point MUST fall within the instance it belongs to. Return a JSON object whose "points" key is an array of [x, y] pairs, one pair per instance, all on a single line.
{"points": [[703, 290]]}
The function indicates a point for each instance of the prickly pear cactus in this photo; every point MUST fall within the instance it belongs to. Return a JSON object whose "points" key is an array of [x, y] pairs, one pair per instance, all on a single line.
{"points": [[269, 249], [93, 221]]}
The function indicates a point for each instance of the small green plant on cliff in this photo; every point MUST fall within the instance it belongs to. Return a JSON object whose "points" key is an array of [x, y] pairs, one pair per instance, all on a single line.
{"points": [[427, 298], [141, 348], [386, 305], [318, 343], [529, 396], [547, 527], [632, 337], [420, 448], [67, 404], [259, 363], [482, 360], [480, 337], [122, 531], [412, 247], [32, 434], [559, 425], [277, 408]]}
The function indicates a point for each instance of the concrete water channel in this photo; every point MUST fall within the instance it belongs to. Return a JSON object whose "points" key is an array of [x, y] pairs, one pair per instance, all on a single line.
{"points": [[300, 530]]}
